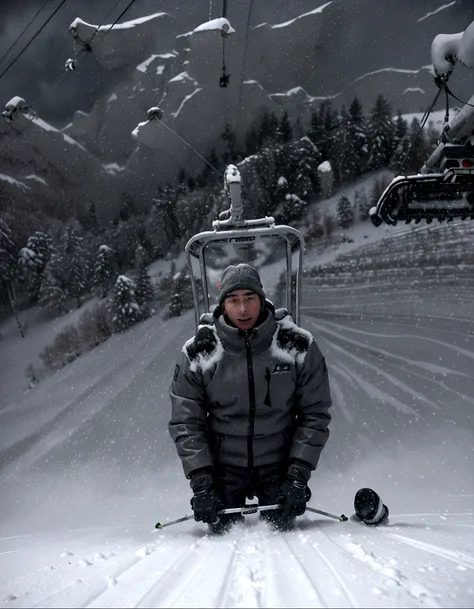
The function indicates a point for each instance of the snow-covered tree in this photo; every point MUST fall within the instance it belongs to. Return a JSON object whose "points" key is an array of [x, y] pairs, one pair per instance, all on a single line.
{"points": [[144, 291], [345, 212], [181, 294], [105, 270], [33, 259], [74, 262], [53, 292], [141, 257], [381, 132], [7, 253], [8, 267], [123, 304]]}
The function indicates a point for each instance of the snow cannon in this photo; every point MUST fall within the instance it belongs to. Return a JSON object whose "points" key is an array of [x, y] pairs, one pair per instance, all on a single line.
{"points": [[369, 507]]}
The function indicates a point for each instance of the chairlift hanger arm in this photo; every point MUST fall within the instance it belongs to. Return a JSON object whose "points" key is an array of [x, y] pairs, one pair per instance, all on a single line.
{"points": [[444, 188]]}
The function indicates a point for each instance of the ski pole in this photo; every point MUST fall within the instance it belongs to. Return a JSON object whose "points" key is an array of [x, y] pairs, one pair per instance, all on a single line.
{"points": [[341, 518], [246, 509], [252, 508], [160, 526]]}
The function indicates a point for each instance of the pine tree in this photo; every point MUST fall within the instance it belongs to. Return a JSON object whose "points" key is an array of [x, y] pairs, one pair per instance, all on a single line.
{"points": [[7, 253], [397, 162], [89, 220], [286, 132], [231, 153], [144, 292], [401, 128], [105, 270], [127, 206], [74, 270], [381, 131], [358, 136], [53, 293], [141, 257], [419, 149], [251, 141], [343, 154], [123, 305], [264, 131], [155, 231], [32, 261], [8, 268], [345, 212]]}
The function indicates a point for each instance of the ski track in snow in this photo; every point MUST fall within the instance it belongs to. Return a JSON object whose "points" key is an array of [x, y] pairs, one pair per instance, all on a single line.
{"points": [[465, 560]]}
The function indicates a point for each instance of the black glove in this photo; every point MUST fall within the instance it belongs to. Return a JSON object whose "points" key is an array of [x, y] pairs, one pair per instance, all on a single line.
{"points": [[205, 501], [206, 505], [294, 491]]}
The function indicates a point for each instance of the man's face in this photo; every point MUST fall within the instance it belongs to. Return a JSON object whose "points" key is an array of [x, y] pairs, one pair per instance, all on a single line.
{"points": [[242, 308]]}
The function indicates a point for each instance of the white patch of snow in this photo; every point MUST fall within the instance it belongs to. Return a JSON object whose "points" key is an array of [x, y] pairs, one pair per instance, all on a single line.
{"points": [[118, 26], [160, 69], [445, 45], [313, 12], [325, 167], [73, 142], [143, 67], [185, 100], [11, 180], [441, 8], [290, 355], [204, 362], [112, 98], [215, 25], [282, 181], [32, 176], [16, 102], [413, 90], [112, 168], [181, 77]]}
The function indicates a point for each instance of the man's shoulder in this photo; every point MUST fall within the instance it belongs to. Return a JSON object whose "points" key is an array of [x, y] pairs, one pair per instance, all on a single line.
{"points": [[204, 348], [290, 340]]}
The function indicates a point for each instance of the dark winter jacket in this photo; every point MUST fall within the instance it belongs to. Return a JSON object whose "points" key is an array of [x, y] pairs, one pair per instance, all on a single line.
{"points": [[250, 398]]}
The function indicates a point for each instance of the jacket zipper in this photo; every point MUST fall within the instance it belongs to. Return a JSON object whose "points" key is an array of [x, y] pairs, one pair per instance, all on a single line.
{"points": [[248, 352]]}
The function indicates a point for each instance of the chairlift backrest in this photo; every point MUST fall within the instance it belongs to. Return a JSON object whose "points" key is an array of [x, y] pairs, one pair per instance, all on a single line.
{"points": [[276, 251]]}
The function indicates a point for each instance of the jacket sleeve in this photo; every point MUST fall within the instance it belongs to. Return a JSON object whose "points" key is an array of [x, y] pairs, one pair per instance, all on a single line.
{"points": [[313, 400], [188, 424]]}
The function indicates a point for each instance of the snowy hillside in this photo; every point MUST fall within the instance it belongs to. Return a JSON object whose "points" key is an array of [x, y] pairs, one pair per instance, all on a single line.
{"points": [[87, 466]]}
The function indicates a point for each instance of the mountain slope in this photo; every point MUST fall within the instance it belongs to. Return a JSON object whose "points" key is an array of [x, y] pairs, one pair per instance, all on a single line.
{"points": [[88, 466]]}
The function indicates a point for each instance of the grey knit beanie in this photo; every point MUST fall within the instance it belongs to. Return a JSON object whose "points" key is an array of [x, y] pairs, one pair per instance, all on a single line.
{"points": [[240, 277]]}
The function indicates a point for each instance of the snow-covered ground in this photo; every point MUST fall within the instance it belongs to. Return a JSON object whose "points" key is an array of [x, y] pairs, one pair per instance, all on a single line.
{"points": [[87, 467]]}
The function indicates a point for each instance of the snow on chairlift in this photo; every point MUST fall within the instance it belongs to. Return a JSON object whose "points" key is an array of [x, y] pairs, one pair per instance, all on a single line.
{"points": [[70, 65], [13, 107], [154, 113], [444, 189], [275, 250]]}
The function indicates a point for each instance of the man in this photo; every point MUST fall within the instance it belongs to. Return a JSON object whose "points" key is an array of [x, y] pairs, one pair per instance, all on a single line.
{"points": [[250, 400]]}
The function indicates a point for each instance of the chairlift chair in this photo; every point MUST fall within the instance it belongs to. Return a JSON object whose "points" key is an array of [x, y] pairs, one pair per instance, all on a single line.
{"points": [[276, 251]]}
